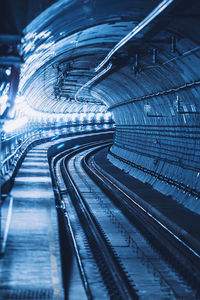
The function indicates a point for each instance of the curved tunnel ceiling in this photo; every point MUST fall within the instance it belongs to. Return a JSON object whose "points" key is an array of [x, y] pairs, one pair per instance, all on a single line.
{"points": [[66, 42], [151, 84], [152, 87]]}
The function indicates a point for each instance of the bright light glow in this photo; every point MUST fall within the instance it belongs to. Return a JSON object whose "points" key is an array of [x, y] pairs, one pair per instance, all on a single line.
{"points": [[162, 6], [19, 99], [98, 116], [8, 72], [31, 38], [107, 116], [3, 98], [1, 86], [60, 146], [74, 116], [82, 116], [90, 116], [44, 46], [44, 34], [23, 109], [12, 125], [22, 106], [3, 101], [5, 92], [76, 147]]}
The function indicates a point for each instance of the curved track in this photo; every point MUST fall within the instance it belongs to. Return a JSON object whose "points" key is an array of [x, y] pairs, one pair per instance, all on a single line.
{"points": [[122, 251]]}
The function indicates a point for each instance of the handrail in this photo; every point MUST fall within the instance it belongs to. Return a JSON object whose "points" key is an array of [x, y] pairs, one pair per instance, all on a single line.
{"points": [[11, 155], [8, 219]]}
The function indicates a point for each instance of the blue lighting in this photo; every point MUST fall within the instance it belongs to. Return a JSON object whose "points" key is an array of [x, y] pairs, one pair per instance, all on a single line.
{"points": [[76, 147], [55, 137], [60, 146]]}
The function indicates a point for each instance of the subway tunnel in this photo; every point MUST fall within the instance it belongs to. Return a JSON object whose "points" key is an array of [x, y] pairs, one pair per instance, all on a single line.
{"points": [[81, 72]]}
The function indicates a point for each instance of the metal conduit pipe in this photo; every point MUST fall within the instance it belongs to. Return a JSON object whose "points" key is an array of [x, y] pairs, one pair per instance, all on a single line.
{"points": [[186, 53], [157, 94], [161, 7], [104, 71]]}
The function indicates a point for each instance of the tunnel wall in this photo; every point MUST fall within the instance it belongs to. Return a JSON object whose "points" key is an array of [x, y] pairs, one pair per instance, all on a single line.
{"points": [[157, 138], [155, 100]]}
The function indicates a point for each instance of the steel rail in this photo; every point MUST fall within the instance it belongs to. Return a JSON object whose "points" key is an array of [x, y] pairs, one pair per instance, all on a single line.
{"points": [[176, 255], [147, 212], [117, 276], [63, 210], [62, 213], [182, 248]]}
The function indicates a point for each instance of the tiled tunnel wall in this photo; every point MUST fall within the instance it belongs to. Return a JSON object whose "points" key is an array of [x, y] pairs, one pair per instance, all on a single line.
{"points": [[157, 137], [163, 156]]}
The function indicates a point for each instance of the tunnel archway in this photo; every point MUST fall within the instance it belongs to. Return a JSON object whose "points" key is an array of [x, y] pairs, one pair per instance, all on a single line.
{"points": [[151, 89]]}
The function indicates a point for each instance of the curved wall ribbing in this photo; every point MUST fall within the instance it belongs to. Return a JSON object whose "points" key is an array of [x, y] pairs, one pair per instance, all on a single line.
{"points": [[155, 102], [159, 131]]}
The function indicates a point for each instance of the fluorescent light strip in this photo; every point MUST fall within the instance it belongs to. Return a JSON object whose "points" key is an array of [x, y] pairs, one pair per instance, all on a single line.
{"points": [[162, 6]]}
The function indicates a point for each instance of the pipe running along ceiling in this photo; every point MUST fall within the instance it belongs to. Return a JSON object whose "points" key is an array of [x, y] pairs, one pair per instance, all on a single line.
{"points": [[63, 46]]}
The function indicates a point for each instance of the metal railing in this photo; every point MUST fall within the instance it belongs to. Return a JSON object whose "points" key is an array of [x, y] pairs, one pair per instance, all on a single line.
{"points": [[6, 205], [11, 160]]}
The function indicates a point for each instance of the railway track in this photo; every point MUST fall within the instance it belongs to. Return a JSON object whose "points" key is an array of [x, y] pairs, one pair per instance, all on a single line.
{"points": [[122, 251]]}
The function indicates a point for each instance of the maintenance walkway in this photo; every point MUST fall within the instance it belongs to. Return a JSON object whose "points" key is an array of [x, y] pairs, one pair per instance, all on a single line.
{"points": [[30, 268]]}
